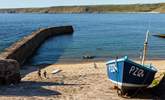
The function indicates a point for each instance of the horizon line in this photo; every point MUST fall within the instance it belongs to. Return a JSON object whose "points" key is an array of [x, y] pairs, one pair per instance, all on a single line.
{"points": [[80, 5]]}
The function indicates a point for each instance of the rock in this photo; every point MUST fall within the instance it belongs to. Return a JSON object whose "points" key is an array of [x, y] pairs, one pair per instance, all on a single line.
{"points": [[88, 57], [9, 72]]}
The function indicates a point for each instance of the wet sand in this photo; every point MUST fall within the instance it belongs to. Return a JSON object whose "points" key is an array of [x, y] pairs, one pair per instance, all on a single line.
{"points": [[82, 81]]}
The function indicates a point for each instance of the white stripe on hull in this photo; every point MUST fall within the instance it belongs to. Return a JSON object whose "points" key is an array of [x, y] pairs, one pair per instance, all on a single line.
{"points": [[128, 84]]}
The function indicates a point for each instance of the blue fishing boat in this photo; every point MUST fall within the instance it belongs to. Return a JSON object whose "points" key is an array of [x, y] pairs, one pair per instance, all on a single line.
{"points": [[129, 75]]}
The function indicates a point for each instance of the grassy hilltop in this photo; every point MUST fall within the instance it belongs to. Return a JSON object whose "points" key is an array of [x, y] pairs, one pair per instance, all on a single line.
{"points": [[159, 7]]}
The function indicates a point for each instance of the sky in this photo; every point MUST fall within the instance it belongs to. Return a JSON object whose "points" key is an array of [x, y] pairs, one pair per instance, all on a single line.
{"points": [[48, 3]]}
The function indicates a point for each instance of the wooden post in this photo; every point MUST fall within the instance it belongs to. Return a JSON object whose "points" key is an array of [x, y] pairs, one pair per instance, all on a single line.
{"points": [[145, 48]]}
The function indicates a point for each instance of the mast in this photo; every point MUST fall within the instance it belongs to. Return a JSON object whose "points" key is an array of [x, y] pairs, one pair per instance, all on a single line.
{"points": [[145, 48]]}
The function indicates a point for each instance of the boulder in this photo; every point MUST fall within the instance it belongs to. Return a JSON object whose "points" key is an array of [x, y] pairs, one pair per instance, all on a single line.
{"points": [[9, 71]]}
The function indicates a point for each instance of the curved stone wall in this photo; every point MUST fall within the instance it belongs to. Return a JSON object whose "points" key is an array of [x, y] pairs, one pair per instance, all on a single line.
{"points": [[24, 48]]}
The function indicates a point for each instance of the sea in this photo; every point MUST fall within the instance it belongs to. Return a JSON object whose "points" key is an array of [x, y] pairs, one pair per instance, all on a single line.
{"points": [[104, 36]]}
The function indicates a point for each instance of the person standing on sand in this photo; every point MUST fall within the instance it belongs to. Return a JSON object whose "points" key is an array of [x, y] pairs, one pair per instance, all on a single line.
{"points": [[45, 74], [39, 73], [95, 66]]}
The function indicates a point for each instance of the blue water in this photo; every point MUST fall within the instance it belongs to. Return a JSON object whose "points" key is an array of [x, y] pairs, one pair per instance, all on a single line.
{"points": [[102, 35]]}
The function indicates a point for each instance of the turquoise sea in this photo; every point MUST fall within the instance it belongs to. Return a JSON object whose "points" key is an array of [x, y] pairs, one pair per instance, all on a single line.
{"points": [[102, 35]]}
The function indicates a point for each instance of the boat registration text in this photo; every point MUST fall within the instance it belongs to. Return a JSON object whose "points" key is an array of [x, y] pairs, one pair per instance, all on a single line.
{"points": [[135, 71]]}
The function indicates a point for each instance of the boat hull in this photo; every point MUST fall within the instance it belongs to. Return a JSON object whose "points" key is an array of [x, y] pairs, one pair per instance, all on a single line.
{"points": [[127, 75], [160, 35]]}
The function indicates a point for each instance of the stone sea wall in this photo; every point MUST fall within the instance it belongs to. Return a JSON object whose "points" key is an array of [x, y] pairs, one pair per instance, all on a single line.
{"points": [[24, 48]]}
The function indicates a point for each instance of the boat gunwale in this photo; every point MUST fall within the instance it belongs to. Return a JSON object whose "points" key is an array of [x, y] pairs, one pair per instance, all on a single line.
{"points": [[151, 68]]}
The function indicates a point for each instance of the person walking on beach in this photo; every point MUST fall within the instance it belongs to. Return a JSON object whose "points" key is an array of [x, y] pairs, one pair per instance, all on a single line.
{"points": [[39, 73], [45, 74], [95, 66]]}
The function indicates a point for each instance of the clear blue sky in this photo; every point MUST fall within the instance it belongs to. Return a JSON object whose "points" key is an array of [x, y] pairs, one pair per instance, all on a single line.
{"points": [[47, 3]]}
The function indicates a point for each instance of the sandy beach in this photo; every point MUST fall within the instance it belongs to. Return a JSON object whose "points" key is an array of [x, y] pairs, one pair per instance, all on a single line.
{"points": [[82, 81]]}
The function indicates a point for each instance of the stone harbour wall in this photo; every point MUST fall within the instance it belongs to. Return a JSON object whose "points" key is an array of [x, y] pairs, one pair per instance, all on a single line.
{"points": [[24, 48]]}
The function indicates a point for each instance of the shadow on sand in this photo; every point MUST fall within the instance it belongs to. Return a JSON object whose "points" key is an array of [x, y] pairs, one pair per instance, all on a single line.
{"points": [[159, 90], [31, 88], [156, 93]]}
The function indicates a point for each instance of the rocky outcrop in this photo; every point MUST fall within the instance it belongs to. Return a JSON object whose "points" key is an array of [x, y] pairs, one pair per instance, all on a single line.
{"points": [[9, 72], [24, 48]]}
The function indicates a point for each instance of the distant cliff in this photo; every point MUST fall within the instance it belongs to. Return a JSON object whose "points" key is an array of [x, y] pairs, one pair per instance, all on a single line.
{"points": [[159, 7]]}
